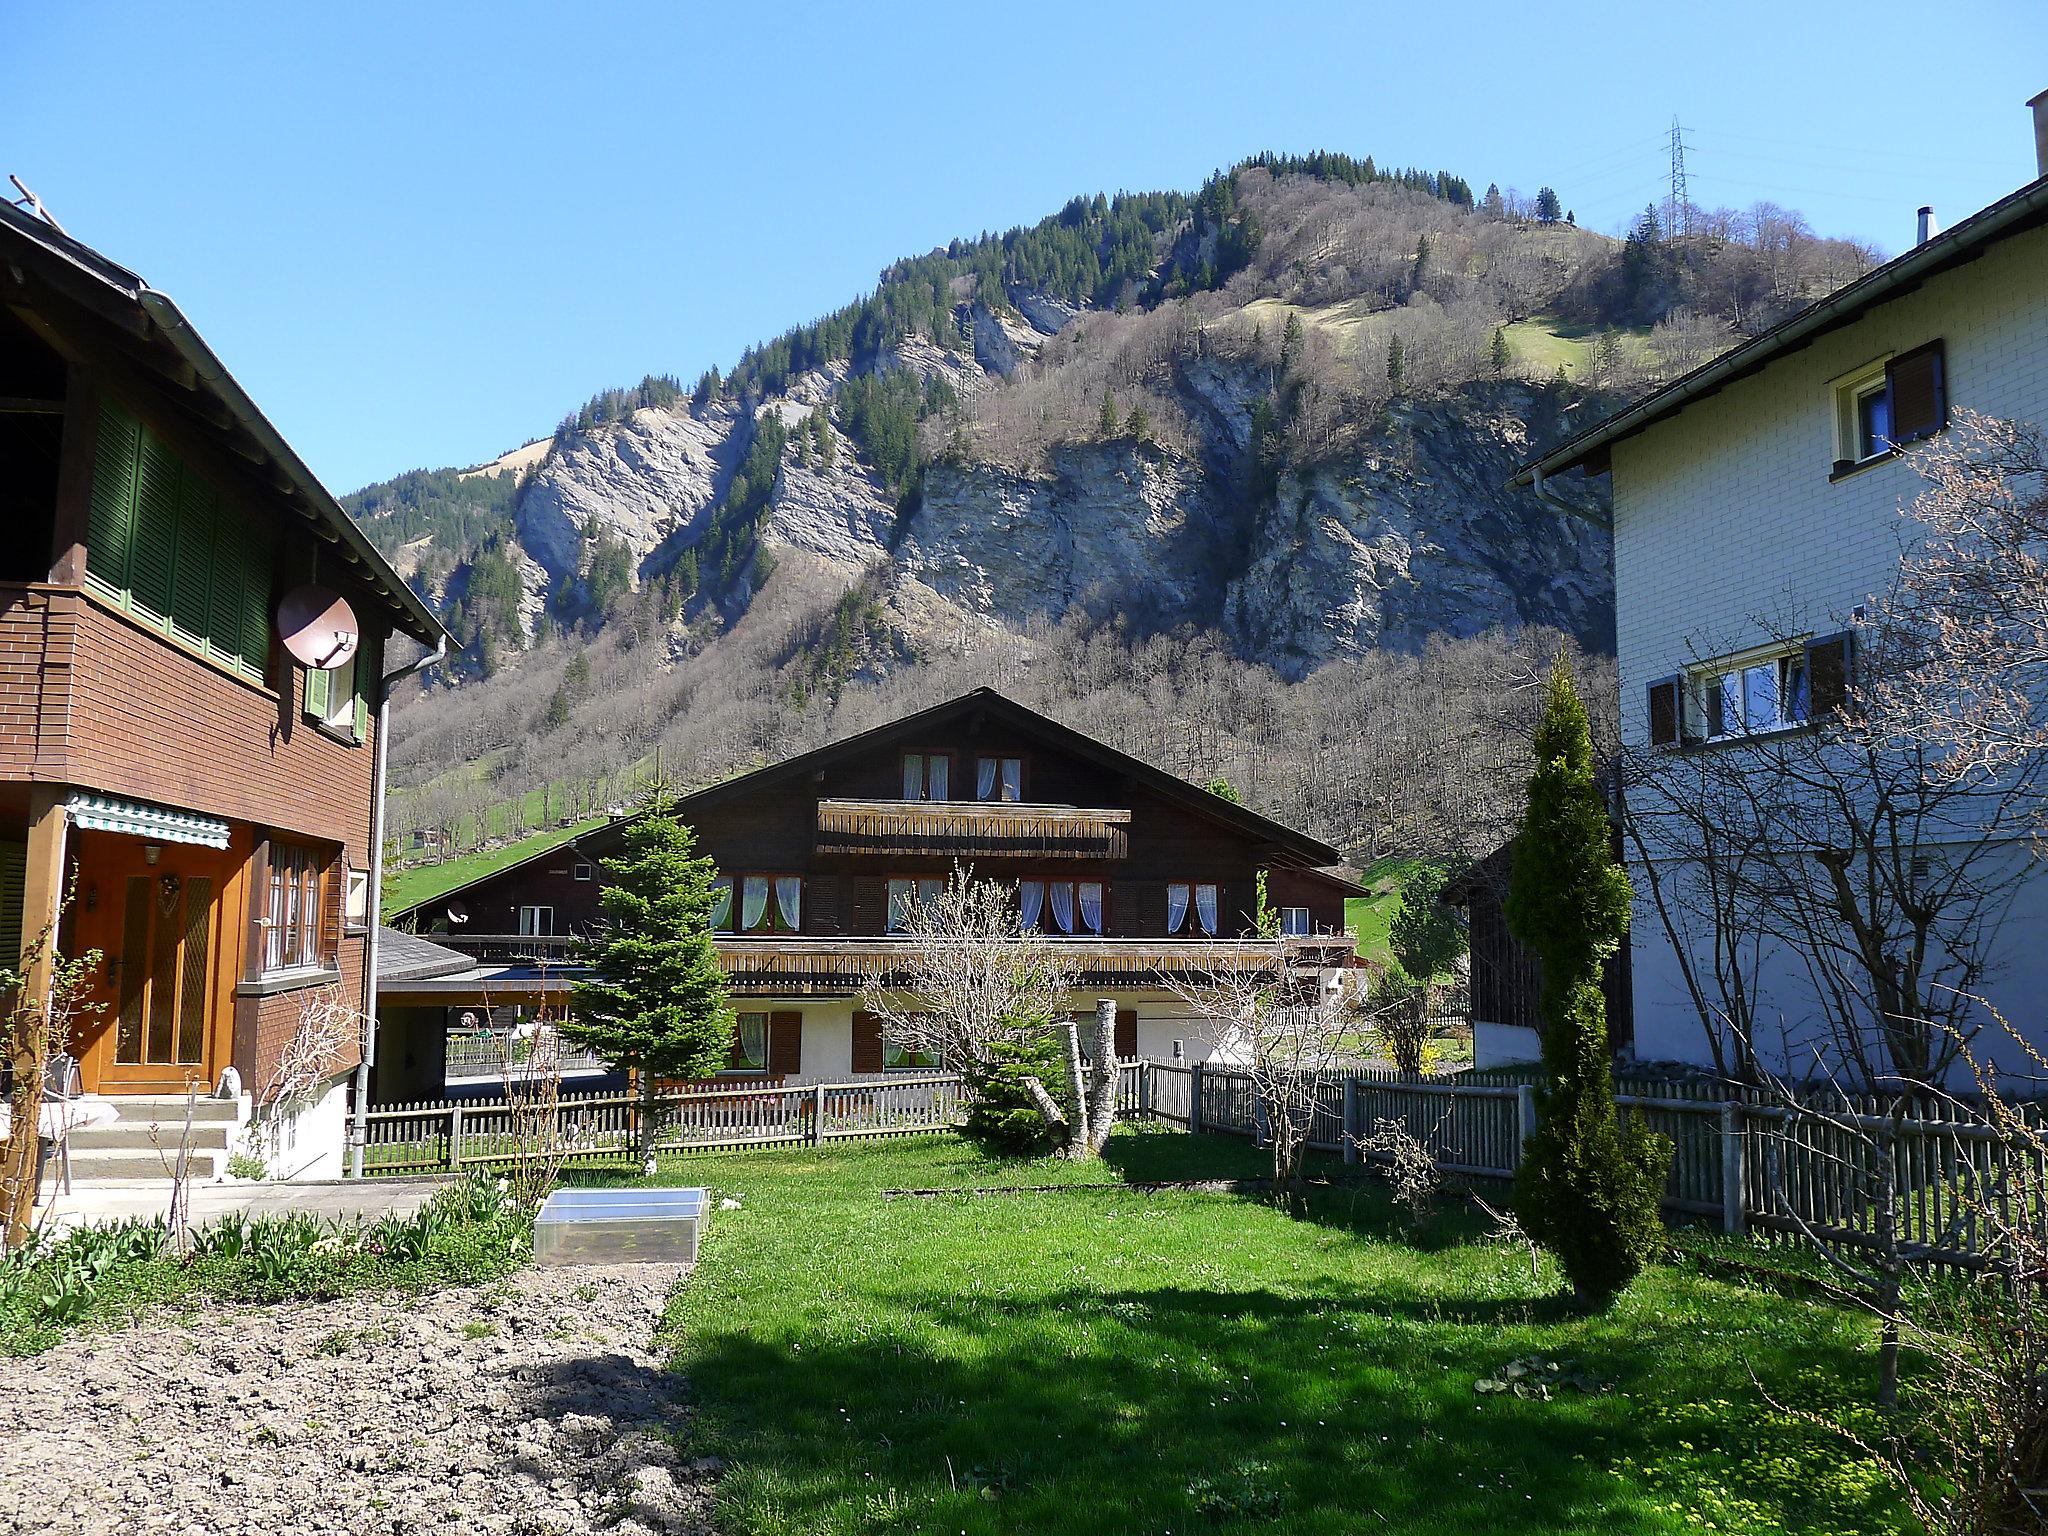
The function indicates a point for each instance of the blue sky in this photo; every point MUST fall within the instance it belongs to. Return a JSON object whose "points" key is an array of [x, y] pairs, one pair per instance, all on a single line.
{"points": [[420, 233]]}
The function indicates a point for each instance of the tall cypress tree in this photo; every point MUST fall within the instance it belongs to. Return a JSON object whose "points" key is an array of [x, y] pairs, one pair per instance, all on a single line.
{"points": [[653, 997], [1590, 1182], [1396, 365]]}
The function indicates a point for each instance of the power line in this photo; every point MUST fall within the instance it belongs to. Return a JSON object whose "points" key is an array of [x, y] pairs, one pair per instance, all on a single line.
{"points": [[1678, 220]]}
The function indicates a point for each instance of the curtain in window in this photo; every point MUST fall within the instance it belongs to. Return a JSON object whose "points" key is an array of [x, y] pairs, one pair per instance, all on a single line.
{"points": [[789, 900], [985, 778], [1760, 696], [721, 902], [913, 777], [1063, 906], [1176, 906], [935, 785], [753, 902], [753, 1040], [1030, 903], [1205, 908], [1013, 778], [1091, 905]]}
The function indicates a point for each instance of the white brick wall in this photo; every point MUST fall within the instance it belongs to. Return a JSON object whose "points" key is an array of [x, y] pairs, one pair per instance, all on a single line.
{"points": [[1728, 533]]}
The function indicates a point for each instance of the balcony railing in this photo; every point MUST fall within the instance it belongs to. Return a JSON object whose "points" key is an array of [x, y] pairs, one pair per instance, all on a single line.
{"points": [[785, 966], [979, 828]]}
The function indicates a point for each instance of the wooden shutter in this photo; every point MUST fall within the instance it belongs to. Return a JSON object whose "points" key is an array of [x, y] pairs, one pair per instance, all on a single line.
{"points": [[330, 911], [199, 534], [1830, 671], [110, 520], [154, 550], [255, 546], [13, 894], [870, 906], [1126, 1033], [1665, 700], [785, 1042], [867, 1041], [369, 659], [1919, 393], [1717, 711], [318, 680]]}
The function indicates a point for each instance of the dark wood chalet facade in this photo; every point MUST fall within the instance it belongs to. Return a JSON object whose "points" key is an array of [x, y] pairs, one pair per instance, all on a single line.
{"points": [[1143, 874], [208, 802]]}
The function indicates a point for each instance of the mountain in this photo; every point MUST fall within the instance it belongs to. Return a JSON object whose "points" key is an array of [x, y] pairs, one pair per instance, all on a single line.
{"points": [[1263, 430]]}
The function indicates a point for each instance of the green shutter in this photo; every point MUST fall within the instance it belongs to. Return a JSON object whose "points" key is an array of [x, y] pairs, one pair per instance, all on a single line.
{"points": [[252, 627], [153, 553], [199, 535], [317, 679], [227, 594], [13, 892], [110, 524], [368, 657]]}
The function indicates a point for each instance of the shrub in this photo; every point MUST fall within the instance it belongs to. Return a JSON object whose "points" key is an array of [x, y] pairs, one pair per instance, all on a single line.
{"points": [[1003, 1121], [246, 1165]]}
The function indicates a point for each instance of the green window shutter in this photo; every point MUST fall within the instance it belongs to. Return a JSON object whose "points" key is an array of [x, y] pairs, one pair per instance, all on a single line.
{"points": [[199, 535], [317, 679], [13, 891], [253, 627], [368, 661], [153, 553], [227, 593], [110, 523]]}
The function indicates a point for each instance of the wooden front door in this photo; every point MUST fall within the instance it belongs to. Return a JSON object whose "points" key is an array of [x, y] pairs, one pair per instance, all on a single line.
{"points": [[168, 936]]}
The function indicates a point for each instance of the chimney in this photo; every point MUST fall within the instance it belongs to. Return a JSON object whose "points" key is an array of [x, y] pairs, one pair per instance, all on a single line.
{"points": [[1928, 228], [2040, 106]]}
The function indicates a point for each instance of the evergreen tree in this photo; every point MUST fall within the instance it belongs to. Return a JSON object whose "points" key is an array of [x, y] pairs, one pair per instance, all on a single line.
{"points": [[1421, 262], [1590, 1182], [1106, 424], [1292, 340], [1223, 789], [1501, 355], [1547, 206], [1427, 935], [557, 713], [1571, 218], [1396, 365], [653, 997], [1138, 424], [1494, 207]]}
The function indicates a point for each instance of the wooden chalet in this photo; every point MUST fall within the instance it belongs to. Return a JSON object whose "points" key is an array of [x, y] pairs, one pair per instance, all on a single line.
{"points": [[1144, 875], [209, 804]]}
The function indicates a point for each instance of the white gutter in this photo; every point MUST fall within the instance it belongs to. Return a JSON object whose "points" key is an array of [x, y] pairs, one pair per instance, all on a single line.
{"points": [[359, 1112]]}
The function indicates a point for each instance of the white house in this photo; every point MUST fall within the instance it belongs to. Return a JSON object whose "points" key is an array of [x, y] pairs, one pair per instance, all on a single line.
{"points": [[1757, 506]]}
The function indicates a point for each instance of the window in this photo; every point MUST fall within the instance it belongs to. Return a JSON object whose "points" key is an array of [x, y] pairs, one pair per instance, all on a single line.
{"points": [[1182, 897], [898, 1058], [907, 894], [1750, 696], [1060, 906], [1294, 922], [355, 906], [999, 778], [335, 697], [536, 922], [1888, 404], [750, 1044], [295, 933], [584, 871], [767, 904], [1753, 698], [162, 546], [927, 775]]}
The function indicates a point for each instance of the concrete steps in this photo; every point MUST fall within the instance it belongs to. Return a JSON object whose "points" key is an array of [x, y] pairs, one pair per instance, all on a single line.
{"points": [[142, 1143]]}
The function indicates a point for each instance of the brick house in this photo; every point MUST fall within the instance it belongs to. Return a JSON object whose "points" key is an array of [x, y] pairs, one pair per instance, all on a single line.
{"points": [[209, 804], [1757, 509], [1140, 874]]}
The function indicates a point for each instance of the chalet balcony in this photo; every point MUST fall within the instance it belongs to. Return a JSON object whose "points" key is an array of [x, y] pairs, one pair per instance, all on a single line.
{"points": [[972, 829], [785, 966]]}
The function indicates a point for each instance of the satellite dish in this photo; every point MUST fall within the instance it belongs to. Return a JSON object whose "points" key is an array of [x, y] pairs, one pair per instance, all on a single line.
{"points": [[317, 626]]}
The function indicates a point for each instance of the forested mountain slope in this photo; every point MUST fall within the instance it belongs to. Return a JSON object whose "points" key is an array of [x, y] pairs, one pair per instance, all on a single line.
{"points": [[1252, 444]]}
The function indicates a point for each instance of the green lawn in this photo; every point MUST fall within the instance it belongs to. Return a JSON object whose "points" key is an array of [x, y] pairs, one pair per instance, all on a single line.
{"points": [[423, 882], [1105, 1361]]}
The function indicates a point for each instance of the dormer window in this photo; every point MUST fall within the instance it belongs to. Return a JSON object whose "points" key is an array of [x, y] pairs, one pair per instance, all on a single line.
{"points": [[927, 775], [999, 778]]}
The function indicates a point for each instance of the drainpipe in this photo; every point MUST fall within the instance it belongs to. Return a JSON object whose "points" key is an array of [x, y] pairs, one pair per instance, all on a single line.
{"points": [[1552, 500], [359, 1117]]}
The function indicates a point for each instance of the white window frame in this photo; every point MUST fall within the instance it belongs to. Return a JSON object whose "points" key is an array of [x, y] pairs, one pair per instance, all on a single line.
{"points": [[584, 870], [1295, 923], [767, 1042], [1703, 679], [355, 908], [341, 695], [529, 922], [1846, 395]]}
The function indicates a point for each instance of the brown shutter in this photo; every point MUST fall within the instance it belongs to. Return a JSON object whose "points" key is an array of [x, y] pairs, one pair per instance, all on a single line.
{"points": [[1717, 708], [1126, 1033], [870, 906], [330, 911], [822, 896], [1919, 391], [867, 1042], [1663, 707], [785, 1042], [1830, 669]]}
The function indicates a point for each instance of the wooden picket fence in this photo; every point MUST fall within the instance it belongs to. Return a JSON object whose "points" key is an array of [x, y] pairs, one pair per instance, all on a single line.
{"points": [[1818, 1165]]}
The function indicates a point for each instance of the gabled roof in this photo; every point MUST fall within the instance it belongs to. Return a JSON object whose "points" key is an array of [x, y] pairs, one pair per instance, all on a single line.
{"points": [[2011, 215], [156, 337], [408, 957], [1285, 847]]}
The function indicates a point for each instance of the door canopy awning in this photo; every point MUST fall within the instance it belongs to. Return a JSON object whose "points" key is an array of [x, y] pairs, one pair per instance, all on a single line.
{"points": [[156, 823]]}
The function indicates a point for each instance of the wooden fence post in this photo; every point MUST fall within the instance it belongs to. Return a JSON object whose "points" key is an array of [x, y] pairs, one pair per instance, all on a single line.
{"points": [[455, 1138], [1733, 1215], [1350, 1119], [1525, 1121], [1195, 1099], [818, 1115]]}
